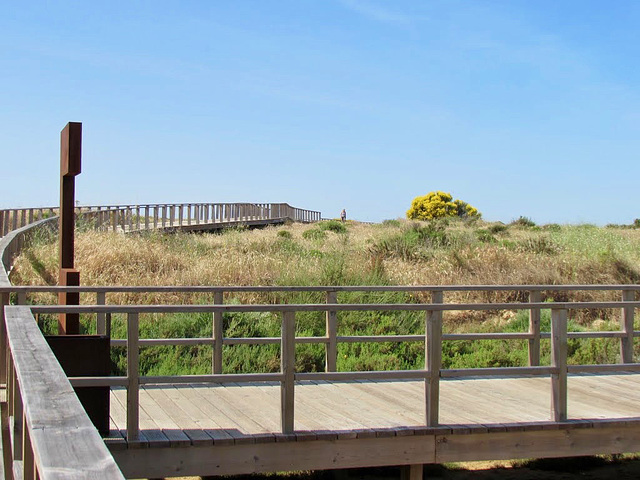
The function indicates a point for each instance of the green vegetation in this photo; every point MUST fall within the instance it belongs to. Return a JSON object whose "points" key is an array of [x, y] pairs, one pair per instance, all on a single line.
{"points": [[396, 252]]}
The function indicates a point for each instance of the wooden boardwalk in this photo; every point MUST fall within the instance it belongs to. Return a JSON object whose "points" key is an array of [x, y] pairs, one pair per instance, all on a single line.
{"points": [[364, 423], [252, 409]]}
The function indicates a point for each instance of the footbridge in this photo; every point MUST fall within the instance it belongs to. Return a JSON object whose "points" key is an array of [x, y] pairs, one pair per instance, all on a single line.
{"points": [[165, 217], [289, 418]]}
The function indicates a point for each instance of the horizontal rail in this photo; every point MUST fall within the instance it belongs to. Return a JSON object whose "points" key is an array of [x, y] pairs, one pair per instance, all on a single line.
{"points": [[326, 288], [323, 307], [52, 435], [139, 217]]}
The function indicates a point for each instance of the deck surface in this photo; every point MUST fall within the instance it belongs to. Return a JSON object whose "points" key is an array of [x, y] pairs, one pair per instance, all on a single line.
{"points": [[193, 414]]}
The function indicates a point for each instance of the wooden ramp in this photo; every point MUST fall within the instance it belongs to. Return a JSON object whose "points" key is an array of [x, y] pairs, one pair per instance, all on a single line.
{"points": [[234, 428]]}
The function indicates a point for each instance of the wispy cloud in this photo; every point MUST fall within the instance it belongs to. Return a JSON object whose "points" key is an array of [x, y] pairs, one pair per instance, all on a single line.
{"points": [[378, 13]]}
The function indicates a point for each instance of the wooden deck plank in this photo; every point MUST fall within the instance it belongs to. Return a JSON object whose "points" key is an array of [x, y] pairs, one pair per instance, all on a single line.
{"points": [[222, 402], [247, 413]]}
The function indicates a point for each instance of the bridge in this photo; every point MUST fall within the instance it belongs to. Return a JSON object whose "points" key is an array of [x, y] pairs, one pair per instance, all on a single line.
{"points": [[164, 217], [237, 423]]}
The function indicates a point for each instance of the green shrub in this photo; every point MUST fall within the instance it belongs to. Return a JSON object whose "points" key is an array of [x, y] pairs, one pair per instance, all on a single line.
{"points": [[435, 205], [523, 222], [335, 226], [540, 245], [485, 236], [314, 234], [391, 223], [498, 228], [285, 234]]}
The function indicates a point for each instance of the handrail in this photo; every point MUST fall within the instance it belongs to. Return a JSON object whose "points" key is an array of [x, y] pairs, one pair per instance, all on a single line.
{"points": [[52, 436], [146, 216], [433, 336]]}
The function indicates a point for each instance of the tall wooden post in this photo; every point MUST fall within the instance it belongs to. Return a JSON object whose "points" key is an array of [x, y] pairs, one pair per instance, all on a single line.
{"points": [[70, 166]]}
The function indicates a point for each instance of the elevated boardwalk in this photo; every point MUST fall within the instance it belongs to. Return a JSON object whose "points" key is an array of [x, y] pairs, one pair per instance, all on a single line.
{"points": [[368, 423], [164, 217]]}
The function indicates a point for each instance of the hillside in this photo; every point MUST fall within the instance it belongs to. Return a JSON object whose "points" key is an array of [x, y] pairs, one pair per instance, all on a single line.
{"points": [[332, 253]]}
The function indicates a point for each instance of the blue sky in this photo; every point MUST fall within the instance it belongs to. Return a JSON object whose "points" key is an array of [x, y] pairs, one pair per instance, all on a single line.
{"points": [[517, 107]]}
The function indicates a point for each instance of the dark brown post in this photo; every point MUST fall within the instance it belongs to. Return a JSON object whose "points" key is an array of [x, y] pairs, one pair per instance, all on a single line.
{"points": [[70, 166]]}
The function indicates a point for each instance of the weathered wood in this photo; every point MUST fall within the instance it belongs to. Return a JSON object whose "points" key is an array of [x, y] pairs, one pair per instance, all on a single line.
{"points": [[331, 351], [101, 320], [65, 443], [534, 329], [626, 325], [433, 361], [559, 361], [218, 335], [537, 444], [287, 367], [133, 373], [412, 472], [363, 375], [276, 456], [411, 307]]}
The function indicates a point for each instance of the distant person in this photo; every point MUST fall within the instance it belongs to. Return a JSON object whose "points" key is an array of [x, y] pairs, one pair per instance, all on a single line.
{"points": [[343, 215]]}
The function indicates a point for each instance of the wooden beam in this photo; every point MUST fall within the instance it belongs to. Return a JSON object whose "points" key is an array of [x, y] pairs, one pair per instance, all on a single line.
{"points": [[331, 351], [559, 361], [626, 324], [433, 361], [288, 367], [275, 457], [64, 441]]}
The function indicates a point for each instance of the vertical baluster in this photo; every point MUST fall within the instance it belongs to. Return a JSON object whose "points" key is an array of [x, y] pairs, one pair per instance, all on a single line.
{"points": [[559, 361], [18, 415], [287, 368], [4, 300], [331, 352], [626, 325], [28, 462], [101, 318], [433, 360], [133, 378], [218, 334], [534, 329]]}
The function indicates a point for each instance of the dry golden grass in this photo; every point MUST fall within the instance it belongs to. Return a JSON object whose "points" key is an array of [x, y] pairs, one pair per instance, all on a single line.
{"points": [[287, 256]]}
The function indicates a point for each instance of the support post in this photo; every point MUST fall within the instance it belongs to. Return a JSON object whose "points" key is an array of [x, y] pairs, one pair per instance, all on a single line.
{"points": [[287, 367], [411, 472], [559, 361], [4, 301], [433, 360], [218, 334], [534, 329], [626, 324], [28, 462], [133, 378], [331, 352], [101, 320]]}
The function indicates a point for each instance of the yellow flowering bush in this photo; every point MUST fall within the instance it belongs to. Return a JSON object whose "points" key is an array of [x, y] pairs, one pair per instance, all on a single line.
{"points": [[439, 205]]}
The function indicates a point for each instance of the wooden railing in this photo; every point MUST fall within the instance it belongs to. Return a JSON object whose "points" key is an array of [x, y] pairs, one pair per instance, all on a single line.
{"points": [[51, 435], [19, 336], [432, 336], [153, 216]]}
